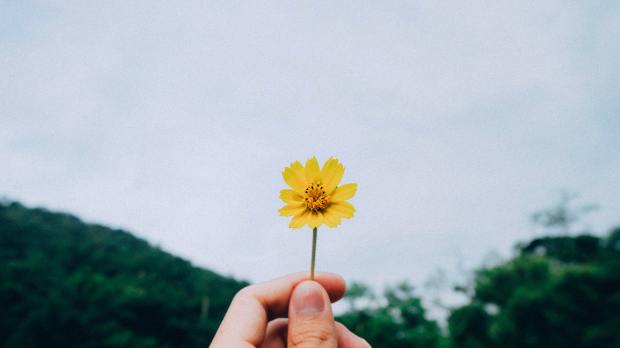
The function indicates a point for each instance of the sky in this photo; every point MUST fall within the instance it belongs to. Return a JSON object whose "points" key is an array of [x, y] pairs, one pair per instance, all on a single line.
{"points": [[174, 120]]}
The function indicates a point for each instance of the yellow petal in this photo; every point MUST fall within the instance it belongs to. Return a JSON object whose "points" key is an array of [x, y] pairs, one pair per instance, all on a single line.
{"points": [[313, 172], [290, 196], [331, 174], [342, 209], [343, 193], [298, 168], [315, 219], [331, 218], [292, 209], [294, 177], [300, 219]]}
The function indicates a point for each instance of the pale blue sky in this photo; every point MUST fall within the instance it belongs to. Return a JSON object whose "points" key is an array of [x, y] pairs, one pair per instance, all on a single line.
{"points": [[174, 120]]}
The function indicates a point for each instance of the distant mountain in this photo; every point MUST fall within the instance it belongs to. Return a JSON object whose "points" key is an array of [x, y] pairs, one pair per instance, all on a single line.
{"points": [[66, 283]]}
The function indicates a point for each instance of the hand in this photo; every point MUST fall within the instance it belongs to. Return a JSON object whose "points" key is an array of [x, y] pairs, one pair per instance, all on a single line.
{"points": [[257, 315]]}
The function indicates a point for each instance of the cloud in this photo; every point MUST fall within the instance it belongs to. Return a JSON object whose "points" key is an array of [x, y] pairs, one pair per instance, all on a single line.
{"points": [[175, 121]]}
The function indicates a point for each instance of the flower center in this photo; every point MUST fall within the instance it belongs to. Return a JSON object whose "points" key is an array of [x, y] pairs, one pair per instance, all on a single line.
{"points": [[316, 197]]}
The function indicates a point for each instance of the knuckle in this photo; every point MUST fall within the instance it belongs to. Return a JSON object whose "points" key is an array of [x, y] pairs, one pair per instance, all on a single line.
{"points": [[307, 336], [245, 293], [363, 344]]}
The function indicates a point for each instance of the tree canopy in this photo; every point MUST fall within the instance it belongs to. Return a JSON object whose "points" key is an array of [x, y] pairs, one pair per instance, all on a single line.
{"points": [[66, 283]]}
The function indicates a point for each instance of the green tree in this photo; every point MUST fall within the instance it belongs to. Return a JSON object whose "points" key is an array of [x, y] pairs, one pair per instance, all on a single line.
{"points": [[64, 283], [398, 319], [558, 292]]}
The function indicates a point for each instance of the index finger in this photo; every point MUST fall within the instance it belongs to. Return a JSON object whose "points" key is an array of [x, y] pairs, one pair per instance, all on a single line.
{"points": [[246, 319]]}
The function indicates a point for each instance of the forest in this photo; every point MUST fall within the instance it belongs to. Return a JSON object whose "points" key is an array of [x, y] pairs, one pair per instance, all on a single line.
{"points": [[66, 283]]}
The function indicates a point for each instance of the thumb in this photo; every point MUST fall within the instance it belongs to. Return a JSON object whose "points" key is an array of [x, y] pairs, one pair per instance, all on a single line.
{"points": [[310, 318]]}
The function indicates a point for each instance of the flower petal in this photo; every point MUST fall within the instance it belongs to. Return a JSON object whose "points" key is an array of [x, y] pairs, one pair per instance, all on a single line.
{"points": [[315, 219], [342, 209], [343, 192], [331, 218], [294, 177], [290, 196], [331, 174], [299, 220], [292, 209], [313, 172]]}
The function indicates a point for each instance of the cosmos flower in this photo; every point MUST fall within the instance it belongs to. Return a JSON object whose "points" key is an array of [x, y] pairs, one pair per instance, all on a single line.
{"points": [[315, 197]]}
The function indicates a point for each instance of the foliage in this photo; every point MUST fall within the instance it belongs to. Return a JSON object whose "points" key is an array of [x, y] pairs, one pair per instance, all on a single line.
{"points": [[564, 215], [399, 320], [558, 292], [64, 283]]}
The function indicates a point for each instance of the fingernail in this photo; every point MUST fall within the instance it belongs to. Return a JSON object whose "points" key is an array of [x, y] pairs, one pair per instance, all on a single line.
{"points": [[307, 298]]}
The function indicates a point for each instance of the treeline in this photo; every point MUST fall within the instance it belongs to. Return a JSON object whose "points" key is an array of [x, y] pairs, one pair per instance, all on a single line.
{"points": [[64, 283], [557, 292]]}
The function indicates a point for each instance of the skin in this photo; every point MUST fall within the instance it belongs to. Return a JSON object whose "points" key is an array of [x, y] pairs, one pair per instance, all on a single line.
{"points": [[274, 315]]}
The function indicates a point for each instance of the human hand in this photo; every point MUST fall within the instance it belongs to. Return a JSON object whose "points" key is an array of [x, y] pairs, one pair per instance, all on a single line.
{"points": [[257, 315]]}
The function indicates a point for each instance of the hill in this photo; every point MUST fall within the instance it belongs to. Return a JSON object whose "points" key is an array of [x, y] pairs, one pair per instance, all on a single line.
{"points": [[66, 283]]}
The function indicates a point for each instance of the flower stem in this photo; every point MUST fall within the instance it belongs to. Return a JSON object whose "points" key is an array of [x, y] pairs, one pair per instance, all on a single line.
{"points": [[313, 253]]}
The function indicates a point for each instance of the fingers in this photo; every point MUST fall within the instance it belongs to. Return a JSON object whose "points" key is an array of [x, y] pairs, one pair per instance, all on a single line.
{"points": [[310, 318], [275, 337], [245, 322], [347, 339]]}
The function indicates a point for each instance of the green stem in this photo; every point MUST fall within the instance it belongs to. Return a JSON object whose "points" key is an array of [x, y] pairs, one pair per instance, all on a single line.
{"points": [[313, 253]]}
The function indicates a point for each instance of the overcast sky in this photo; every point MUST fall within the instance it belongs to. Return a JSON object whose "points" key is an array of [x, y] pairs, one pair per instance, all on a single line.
{"points": [[174, 120]]}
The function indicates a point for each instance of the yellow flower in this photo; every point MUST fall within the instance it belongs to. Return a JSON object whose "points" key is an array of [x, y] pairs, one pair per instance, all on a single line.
{"points": [[315, 197]]}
